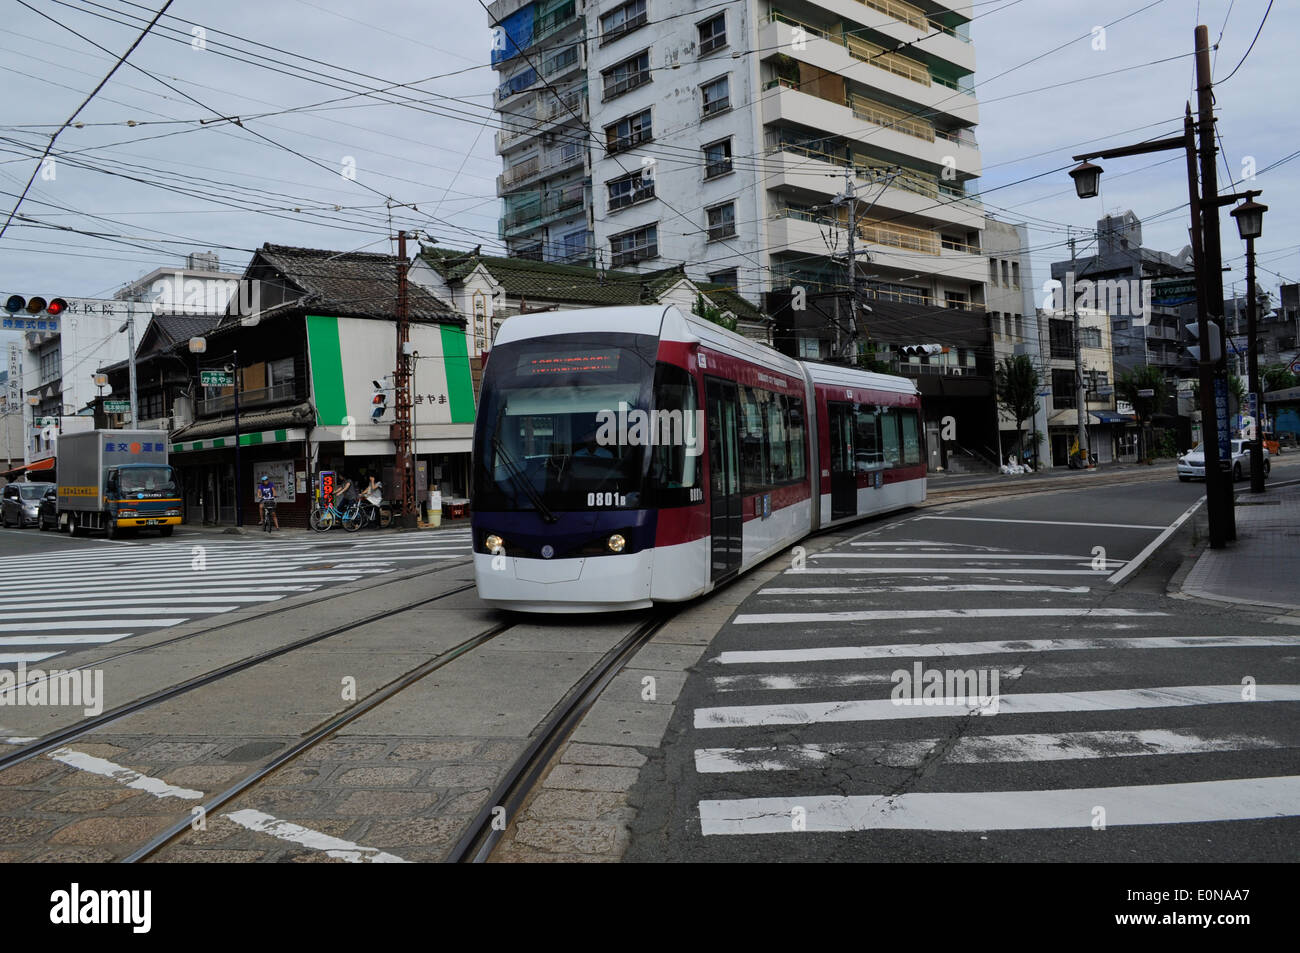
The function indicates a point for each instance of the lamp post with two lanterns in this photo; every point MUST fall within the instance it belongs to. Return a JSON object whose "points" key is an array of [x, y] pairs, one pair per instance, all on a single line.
{"points": [[1250, 225]]}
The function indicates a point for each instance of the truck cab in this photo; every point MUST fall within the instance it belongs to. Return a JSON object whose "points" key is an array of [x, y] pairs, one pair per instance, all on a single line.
{"points": [[142, 494]]}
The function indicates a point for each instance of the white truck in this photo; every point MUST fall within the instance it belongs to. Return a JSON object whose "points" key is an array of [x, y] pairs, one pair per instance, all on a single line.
{"points": [[114, 480]]}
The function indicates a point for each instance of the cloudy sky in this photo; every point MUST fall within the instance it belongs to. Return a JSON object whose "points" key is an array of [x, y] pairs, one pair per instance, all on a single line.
{"points": [[159, 169]]}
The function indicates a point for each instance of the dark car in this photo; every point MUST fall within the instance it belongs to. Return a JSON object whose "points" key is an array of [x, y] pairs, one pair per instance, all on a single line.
{"points": [[47, 514], [20, 503]]}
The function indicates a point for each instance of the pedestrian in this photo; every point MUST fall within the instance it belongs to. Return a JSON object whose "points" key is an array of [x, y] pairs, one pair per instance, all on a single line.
{"points": [[266, 501]]}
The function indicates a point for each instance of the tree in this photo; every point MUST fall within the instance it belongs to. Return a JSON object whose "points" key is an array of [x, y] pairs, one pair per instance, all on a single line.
{"points": [[1130, 383], [1278, 377], [712, 313], [1017, 384]]}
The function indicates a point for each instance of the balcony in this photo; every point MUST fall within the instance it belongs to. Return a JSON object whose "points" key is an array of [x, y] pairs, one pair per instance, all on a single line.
{"points": [[623, 143], [624, 28], [536, 167], [626, 84], [225, 403]]}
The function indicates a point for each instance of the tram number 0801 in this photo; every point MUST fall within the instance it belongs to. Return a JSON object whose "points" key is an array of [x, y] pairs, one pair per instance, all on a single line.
{"points": [[606, 499]]}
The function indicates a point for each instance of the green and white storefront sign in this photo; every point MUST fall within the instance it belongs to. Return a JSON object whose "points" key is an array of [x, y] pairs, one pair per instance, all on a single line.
{"points": [[348, 354], [255, 439]]}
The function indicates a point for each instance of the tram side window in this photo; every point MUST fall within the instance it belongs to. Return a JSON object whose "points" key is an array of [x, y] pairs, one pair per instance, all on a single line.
{"points": [[890, 444], [755, 466], [794, 440], [778, 439], [679, 444], [911, 437], [866, 439]]}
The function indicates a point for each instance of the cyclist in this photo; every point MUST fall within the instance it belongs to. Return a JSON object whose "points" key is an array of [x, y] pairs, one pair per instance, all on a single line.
{"points": [[266, 501]]}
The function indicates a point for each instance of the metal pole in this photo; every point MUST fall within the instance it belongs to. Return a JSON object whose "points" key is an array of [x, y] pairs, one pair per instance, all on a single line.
{"points": [[239, 496], [130, 343], [1252, 371], [1081, 408], [1213, 266], [402, 392]]}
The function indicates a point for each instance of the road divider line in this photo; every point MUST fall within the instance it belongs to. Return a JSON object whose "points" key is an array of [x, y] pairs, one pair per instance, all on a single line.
{"points": [[864, 590], [296, 834], [1136, 562], [987, 519], [131, 778]]}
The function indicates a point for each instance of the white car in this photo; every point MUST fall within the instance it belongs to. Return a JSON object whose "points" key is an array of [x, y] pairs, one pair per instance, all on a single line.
{"points": [[1192, 463]]}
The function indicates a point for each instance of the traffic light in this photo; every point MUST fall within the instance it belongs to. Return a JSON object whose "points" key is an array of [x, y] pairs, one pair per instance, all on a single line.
{"points": [[1216, 341], [912, 350], [36, 305], [379, 402]]}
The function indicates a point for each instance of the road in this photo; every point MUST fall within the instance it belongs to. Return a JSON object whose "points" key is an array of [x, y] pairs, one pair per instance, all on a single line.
{"points": [[61, 593], [1127, 725]]}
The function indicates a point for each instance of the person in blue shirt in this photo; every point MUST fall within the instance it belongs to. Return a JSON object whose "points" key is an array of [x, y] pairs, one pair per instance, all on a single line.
{"points": [[266, 497]]}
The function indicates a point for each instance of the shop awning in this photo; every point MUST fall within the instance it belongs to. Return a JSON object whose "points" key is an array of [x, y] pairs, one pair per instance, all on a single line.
{"points": [[37, 467], [1110, 417], [255, 439]]}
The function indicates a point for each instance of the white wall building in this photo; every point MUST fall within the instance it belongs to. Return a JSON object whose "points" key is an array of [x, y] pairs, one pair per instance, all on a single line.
{"points": [[719, 137]]}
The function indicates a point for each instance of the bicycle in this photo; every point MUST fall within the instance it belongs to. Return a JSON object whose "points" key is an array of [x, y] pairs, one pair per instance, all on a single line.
{"points": [[268, 515], [323, 520], [372, 513]]}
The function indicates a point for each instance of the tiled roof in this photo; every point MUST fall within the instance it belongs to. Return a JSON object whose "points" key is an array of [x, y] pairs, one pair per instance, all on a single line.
{"points": [[177, 328], [296, 415], [351, 284], [579, 284]]}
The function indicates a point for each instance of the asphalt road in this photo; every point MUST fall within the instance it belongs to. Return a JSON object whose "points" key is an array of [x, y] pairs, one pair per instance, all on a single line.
{"points": [[1120, 731]]}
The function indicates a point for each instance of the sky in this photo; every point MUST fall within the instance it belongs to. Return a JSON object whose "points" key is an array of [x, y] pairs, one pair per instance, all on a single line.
{"points": [[160, 168]]}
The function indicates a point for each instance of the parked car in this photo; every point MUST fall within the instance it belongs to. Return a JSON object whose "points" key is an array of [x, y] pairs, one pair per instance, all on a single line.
{"points": [[47, 514], [20, 504], [1192, 463]]}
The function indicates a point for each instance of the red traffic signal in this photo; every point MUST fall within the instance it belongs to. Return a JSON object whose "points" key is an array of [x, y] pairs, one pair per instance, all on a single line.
{"points": [[35, 305]]}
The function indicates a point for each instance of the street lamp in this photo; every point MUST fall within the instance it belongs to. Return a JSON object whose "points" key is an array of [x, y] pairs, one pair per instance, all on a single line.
{"points": [[1250, 224], [1087, 179]]}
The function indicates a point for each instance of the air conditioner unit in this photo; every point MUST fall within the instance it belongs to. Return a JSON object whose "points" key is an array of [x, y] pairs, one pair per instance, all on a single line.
{"points": [[182, 412]]}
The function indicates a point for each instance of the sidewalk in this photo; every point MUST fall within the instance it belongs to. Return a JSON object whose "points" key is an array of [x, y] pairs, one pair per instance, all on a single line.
{"points": [[1262, 567]]}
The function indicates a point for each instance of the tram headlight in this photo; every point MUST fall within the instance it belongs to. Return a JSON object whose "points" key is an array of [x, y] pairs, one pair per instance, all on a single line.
{"points": [[495, 544], [616, 543]]}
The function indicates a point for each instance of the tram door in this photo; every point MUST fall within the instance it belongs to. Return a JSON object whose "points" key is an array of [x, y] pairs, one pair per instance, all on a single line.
{"points": [[844, 481], [727, 518]]}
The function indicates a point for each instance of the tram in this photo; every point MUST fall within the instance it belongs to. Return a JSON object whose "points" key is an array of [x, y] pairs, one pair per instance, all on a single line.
{"points": [[633, 455]]}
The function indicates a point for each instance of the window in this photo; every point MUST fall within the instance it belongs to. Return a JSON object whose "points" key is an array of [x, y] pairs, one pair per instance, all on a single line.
{"points": [[716, 96], [771, 439], [911, 437], [955, 299], [713, 34], [866, 439], [629, 189], [717, 158], [1090, 337], [891, 448], [560, 60], [280, 372], [727, 278], [151, 405], [575, 245], [1006, 278], [622, 20], [636, 245], [722, 221], [1060, 335], [628, 132], [1063, 390], [1015, 274], [627, 75], [675, 467], [993, 271]]}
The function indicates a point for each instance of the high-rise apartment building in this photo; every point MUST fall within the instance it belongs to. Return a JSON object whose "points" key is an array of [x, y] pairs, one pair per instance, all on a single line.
{"points": [[647, 133]]}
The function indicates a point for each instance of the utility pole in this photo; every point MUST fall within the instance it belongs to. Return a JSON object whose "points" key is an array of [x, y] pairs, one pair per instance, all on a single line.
{"points": [[402, 393], [1212, 265], [1082, 436], [239, 494], [129, 328]]}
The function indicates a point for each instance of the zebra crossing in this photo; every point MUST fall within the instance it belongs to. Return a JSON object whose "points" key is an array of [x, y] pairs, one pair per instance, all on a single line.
{"points": [[802, 722], [103, 591]]}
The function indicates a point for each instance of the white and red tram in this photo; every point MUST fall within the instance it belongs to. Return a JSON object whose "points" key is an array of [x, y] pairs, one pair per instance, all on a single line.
{"points": [[617, 468]]}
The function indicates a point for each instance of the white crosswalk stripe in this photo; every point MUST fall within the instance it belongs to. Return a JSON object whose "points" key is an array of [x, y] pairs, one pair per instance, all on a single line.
{"points": [[813, 673], [55, 602]]}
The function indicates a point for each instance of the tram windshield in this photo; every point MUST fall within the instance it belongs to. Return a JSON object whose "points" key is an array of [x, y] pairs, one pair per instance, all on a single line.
{"points": [[553, 424]]}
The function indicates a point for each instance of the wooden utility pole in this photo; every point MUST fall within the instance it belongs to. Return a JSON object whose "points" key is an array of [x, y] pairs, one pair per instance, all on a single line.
{"points": [[401, 431]]}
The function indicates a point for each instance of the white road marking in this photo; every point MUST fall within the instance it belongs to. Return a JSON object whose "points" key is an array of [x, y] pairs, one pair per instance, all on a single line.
{"points": [[759, 683], [82, 624], [132, 779], [946, 571], [1018, 646], [980, 749], [115, 602], [867, 615], [986, 519], [968, 557], [863, 590], [16, 640], [296, 834], [13, 658], [115, 609], [1151, 547], [885, 709], [1184, 803]]}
